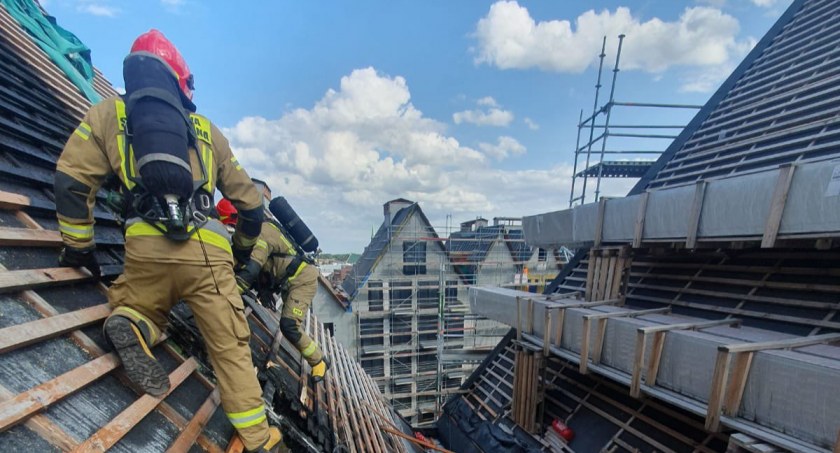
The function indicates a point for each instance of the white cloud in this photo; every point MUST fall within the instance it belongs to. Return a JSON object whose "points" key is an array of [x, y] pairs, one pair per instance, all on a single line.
{"points": [[503, 148], [365, 143], [491, 115], [487, 101], [764, 3], [709, 79], [703, 37], [531, 124], [98, 9]]}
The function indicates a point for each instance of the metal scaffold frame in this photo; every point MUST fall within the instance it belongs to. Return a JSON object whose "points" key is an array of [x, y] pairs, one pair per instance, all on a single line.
{"points": [[416, 335], [588, 151]]}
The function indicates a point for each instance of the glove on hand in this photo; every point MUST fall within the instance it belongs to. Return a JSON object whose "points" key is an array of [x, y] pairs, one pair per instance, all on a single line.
{"points": [[242, 284], [241, 256], [73, 257], [246, 275]]}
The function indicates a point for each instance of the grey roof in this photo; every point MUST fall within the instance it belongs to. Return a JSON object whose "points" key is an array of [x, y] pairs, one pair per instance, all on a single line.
{"points": [[359, 274], [517, 246], [779, 106], [68, 388], [473, 246]]}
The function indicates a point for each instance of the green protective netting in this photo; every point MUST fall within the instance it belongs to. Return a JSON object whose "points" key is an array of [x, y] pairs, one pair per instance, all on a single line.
{"points": [[63, 47]]}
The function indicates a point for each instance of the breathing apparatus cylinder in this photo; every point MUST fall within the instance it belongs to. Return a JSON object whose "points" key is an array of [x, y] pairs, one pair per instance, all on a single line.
{"points": [[283, 212], [160, 133]]}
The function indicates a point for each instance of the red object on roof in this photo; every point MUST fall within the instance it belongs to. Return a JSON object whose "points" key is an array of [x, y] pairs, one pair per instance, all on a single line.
{"points": [[564, 431]]}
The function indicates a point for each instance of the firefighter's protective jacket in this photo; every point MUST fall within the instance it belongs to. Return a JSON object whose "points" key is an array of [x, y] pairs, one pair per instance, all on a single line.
{"points": [[276, 254], [98, 149]]}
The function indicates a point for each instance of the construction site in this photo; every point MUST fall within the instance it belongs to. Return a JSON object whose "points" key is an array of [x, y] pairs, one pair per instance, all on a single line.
{"points": [[415, 334], [699, 312]]}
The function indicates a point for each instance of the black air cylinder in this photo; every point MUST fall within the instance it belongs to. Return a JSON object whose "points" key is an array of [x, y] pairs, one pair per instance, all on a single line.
{"points": [[156, 120], [301, 233]]}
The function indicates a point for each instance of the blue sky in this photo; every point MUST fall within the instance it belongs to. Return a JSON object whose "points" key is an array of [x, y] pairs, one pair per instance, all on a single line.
{"points": [[468, 107]]}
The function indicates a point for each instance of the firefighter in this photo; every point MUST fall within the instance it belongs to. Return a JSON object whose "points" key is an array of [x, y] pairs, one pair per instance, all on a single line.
{"points": [[276, 263], [173, 250]]}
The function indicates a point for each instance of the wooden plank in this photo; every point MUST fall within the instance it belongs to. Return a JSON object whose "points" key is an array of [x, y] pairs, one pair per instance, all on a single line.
{"points": [[599, 224], [39, 398], [111, 433], [737, 383], [561, 318], [627, 313], [636, 377], [601, 277], [27, 220], [777, 206], [20, 335], [28, 279], [339, 398], [235, 445], [717, 392], [189, 435], [690, 325], [546, 331], [45, 428], [837, 443], [362, 438], [416, 441], [25, 237], [12, 201], [584, 346], [657, 347], [590, 275], [788, 343], [639, 230], [612, 262], [694, 215]]}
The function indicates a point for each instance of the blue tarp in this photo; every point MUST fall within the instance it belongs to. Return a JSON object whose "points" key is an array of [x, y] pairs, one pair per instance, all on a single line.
{"points": [[63, 47]]}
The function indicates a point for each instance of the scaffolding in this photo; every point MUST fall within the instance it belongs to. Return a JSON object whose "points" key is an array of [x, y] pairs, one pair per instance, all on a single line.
{"points": [[635, 159], [415, 333]]}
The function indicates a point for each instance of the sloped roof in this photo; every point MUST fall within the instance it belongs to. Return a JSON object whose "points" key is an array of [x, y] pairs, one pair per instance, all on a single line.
{"points": [[378, 245], [779, 106], [60, 388], [473, 246], [518, 248]]}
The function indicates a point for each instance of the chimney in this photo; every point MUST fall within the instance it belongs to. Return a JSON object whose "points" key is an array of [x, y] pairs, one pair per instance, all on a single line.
{"points": [[392, 207]]}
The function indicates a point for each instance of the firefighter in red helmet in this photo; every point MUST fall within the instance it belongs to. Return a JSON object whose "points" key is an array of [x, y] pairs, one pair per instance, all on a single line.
{"points": [[276, 267], [169, 161]]}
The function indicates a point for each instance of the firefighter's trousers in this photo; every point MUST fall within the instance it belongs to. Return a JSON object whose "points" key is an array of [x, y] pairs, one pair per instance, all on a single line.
{"points": [[296, 301], [147, 291]]}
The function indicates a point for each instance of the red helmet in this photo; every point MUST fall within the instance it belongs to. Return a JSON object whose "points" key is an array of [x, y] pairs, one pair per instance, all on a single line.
{"points": [[227, 212], [154, 42]]}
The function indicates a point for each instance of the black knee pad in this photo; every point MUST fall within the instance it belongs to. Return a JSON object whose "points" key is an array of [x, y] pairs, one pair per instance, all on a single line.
{"points": [[290, 330]]}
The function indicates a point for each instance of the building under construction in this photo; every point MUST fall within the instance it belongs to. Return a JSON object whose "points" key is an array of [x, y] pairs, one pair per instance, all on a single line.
{"points": [[702, 311], [415, 333]]}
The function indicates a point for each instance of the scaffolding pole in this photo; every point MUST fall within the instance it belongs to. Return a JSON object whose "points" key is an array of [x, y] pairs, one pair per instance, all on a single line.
{"points": [[609, 169]]}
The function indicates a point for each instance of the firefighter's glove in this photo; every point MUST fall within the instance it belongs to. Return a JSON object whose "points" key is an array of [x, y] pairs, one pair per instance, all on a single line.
{"points": [[247, 275], [73, 257], [241, 256]]}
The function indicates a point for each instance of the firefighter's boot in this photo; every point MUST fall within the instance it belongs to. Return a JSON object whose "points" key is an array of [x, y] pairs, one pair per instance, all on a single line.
{"points": [[140, 364], [320, 369], [274, 442]]}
